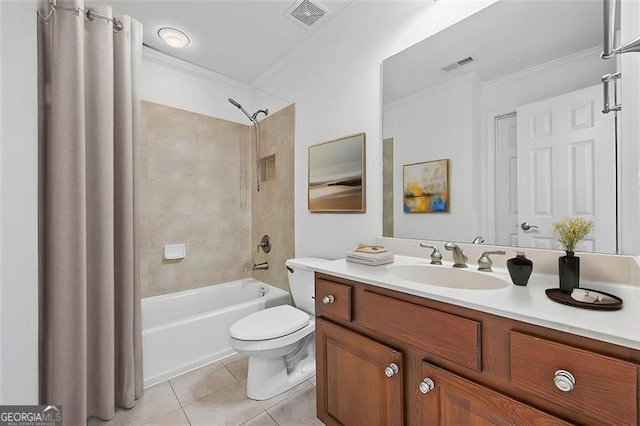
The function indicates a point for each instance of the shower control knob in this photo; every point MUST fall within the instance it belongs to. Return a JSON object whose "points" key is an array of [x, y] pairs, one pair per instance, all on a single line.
{"points": [[391, 370], [564, 380], [426, 385], [328, 299]]}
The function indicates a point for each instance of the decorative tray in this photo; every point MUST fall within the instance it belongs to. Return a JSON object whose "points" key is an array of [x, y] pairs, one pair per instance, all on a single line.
{"points": [[585, 298]]}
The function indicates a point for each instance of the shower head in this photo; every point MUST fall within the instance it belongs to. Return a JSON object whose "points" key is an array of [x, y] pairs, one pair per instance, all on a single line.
{"points": [[237, 105], [263, 111]]}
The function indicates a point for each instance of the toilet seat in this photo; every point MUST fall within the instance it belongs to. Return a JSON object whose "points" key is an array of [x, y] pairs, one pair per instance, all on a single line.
{"points": [[269, 323]]}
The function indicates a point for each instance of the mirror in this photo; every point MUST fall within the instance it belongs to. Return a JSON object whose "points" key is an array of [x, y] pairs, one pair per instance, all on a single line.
{"points": [[336, 175], [512, 95]]}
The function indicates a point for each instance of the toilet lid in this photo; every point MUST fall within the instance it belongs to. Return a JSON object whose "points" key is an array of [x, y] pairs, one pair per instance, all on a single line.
{"points": [[269, 323]]}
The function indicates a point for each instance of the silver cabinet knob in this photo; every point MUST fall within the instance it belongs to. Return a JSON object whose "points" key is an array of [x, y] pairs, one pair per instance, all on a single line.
{"points": [[426, 385], [526, 226], [391, 370], [564, 380], [328, 299]]}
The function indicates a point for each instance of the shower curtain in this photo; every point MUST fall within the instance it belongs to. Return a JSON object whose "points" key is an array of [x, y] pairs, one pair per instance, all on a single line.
{"points": [[90, 331]]}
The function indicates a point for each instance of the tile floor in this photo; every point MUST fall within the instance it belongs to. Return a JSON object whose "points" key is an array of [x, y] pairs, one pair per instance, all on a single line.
{"points": [[216, 395]]}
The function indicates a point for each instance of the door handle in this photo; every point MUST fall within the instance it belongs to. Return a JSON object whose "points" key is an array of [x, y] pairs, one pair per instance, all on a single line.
{"points": [[525, 226]]}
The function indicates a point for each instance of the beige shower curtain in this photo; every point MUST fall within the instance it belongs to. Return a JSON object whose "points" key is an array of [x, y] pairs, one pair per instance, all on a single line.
{"points": [[90, 304]]}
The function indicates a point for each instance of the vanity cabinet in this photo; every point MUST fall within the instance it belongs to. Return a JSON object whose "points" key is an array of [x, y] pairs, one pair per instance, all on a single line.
{"points": [[459, 366], [452, 400], [603, 387], [361, 379]]}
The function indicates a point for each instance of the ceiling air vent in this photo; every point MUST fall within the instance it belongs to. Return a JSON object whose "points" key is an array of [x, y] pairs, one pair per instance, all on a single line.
{"points": [[305, 13], [460, 63]]}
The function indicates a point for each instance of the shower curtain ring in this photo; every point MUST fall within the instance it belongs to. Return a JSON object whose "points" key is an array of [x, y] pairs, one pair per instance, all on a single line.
{"points": [[52, 8], [117, 25]]}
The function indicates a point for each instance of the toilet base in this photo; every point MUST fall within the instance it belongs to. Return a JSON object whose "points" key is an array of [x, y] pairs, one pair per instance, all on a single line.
{"points": [[264, 386], [268, 377]]}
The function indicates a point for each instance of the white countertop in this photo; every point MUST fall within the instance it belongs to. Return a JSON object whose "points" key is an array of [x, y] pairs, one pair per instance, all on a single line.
{"points": [[528, 304]]}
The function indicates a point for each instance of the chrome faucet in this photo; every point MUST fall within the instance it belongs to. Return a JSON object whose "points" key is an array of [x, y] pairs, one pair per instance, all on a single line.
{"points": [[260, 266], [436, 256], [459, 258], [485, 263]]}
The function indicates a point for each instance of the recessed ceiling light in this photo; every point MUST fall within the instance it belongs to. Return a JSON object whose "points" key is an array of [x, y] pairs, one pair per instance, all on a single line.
{"points": [[173, 37]]}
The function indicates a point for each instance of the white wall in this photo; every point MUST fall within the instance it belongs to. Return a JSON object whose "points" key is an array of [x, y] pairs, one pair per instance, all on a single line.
{"points": [[335, 82], [18, 202], [547, 80], [435, 124], [169, 81]]}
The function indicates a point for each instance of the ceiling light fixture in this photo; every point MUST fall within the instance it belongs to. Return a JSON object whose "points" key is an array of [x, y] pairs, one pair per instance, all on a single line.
{"points": [[173, 37]]}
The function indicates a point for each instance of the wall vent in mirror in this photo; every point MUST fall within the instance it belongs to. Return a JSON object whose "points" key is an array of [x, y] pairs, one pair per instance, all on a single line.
{"points": [[462, 62], [268, 168]]}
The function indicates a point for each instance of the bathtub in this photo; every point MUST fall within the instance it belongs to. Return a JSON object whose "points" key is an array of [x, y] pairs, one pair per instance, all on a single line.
{"points": [[188, 329]]}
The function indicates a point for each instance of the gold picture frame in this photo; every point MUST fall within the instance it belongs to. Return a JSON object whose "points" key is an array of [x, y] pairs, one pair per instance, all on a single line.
{"points": [[425, 187], [337, 175]]}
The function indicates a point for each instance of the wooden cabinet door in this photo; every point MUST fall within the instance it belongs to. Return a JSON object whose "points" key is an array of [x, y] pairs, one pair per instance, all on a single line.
{"points": [[457, 401], [352, 387]]}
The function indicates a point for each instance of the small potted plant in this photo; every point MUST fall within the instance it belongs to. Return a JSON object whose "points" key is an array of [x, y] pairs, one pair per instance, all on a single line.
{"points": [[569, 231]]}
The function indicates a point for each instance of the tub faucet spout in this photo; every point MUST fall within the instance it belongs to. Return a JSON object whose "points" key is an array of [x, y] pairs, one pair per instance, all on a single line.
{"points": [[459, 258], [261, 266]]}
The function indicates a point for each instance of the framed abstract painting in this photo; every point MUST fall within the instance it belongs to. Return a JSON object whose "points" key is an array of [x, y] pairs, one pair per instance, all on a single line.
{"points": [[426, 187], [337, 175]]}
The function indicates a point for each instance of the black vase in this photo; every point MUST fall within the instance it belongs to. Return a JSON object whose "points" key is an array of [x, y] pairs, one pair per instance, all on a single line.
{"points": [[569, 271], [520, 269]]}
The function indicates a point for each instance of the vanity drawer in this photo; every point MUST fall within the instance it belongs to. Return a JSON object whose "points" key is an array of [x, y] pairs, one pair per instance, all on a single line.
{"points": [[605, 388], [447, 336], [333, 299]]}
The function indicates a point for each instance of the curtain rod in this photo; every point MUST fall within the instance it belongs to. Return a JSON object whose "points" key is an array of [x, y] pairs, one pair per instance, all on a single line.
{"points": [[87, 13]]}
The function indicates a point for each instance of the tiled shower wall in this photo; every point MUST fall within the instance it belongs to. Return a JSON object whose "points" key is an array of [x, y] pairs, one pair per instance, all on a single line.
{"points": [[272, 210], [192, 188]]}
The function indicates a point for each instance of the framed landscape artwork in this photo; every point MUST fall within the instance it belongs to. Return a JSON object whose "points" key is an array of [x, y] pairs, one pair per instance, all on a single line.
{"points": [[336, 175], [426, 187]]}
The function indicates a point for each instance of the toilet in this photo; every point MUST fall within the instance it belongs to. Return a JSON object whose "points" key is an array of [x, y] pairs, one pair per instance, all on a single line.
{"points": [[279, 341]]}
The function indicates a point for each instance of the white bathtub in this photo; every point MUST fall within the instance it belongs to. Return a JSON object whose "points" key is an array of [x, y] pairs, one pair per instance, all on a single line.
{"points": [[185, 330]]}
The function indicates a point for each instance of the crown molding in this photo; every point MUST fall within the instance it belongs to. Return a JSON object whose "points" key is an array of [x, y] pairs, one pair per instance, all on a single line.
{"points": [[152, 55]]}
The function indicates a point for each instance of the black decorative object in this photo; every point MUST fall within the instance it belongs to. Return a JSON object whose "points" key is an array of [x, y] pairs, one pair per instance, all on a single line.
{"points": [[569, 271], [520, 268]]}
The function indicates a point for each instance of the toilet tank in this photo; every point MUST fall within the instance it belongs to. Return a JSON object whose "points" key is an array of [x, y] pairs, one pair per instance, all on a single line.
{"points": [[301, 281]]}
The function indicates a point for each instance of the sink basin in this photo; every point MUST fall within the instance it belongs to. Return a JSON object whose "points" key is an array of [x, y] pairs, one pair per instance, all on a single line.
{"points": [[445, 276]]}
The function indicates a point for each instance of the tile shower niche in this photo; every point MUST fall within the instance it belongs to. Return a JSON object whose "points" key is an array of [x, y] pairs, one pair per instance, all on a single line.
{"points": [[268, 168]]}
